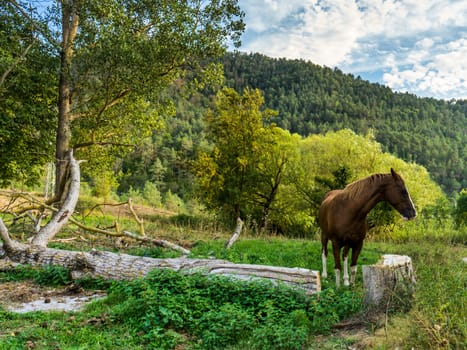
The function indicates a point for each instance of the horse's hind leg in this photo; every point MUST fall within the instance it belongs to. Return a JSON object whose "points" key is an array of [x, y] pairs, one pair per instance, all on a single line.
{"points": [[345, 256], [353, 265], [324, 255], [337, 262]]}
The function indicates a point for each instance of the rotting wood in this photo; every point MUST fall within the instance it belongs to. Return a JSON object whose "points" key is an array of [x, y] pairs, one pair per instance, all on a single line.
{"points": [[108, 265], [389, 284]]}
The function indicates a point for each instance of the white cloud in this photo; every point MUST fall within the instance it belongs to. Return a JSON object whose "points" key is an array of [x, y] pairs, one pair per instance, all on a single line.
{"points": [[420, 46], [323, 32], [442, 72]]}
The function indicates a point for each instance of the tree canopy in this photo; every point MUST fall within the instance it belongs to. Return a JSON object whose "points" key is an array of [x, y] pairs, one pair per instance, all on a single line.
{"points": [[115, 59], [28, 88]]}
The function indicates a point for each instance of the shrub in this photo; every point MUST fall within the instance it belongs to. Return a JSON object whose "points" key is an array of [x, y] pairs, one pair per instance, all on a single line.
{"points": [[152, 195], [225, 326], [174, 203], [460, 213]]}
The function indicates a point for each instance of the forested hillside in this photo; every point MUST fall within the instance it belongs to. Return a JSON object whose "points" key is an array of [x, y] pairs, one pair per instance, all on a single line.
{"points": [[313, 99]]}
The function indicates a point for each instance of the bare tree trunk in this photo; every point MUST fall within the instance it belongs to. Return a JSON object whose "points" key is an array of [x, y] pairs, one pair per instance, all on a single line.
{"points": [[236, 234], [389, 284], [70, 20], [67, 208]]}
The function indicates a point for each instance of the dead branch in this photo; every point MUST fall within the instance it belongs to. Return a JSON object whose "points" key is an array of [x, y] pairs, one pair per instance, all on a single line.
{"points": [[236, 233], [137, 219], [29, 203]]}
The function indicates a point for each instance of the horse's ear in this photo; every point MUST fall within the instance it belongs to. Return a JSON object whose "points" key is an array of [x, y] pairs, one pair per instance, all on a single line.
{"points": [[393, 172]]}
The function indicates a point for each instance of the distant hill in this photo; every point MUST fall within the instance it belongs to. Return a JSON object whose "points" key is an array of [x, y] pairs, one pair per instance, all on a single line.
{"points": [[315, 99]]}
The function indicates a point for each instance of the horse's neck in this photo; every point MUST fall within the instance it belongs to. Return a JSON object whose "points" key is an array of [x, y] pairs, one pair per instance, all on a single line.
{"points": [[371, 197]]}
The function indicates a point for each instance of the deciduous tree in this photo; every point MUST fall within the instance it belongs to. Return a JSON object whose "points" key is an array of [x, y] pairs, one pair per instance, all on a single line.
{"points": [[117, 57], [230, 175]]}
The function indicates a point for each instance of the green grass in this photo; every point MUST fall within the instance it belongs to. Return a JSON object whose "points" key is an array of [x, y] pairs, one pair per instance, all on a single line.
{"points": [[168, 310]]}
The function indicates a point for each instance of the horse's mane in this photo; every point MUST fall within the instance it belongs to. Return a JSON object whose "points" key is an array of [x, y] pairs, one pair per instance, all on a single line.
{"points": [[359, 187]]}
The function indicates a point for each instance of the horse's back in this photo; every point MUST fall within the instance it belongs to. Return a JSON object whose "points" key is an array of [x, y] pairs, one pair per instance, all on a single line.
{"points": [[338, 220], [326, 210]]}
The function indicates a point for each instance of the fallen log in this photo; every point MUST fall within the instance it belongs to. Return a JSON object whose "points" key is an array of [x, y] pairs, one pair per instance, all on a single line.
{"points": [[115, 266]]}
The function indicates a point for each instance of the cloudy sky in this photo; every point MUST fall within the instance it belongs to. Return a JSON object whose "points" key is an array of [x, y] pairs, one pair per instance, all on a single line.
{"points": [[419, 46]]}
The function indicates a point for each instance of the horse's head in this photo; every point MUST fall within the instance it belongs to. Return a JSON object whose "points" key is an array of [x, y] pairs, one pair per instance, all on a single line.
{"points": [[397, 195]]}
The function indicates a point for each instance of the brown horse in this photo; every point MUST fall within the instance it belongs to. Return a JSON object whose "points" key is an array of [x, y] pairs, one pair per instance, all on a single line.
{"points": [[342, 216]]}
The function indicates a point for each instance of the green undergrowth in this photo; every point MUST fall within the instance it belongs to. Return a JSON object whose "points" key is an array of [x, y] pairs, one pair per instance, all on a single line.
{"points": [[217, 312], [168, 310]]}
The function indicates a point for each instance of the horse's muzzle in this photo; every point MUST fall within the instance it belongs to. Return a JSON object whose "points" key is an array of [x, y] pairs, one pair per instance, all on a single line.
{"points": [[409, 214]]}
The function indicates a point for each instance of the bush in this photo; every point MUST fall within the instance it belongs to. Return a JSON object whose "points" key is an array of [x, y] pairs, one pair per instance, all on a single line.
{"points": [[174, 203], [460, 213], [280, 332], [225, 326], [152, 195]]}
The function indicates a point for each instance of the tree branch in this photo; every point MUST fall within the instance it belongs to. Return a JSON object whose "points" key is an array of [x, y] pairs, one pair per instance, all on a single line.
{"points": [[42, 31], [62, 216], [14, 64]]}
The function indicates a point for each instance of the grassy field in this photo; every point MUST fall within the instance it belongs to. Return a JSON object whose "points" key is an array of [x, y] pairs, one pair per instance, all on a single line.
{"points": [[170, 311]]}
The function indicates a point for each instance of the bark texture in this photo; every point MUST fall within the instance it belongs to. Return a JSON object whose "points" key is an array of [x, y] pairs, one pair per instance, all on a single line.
{"points": [[389, 285], [115, 266]]}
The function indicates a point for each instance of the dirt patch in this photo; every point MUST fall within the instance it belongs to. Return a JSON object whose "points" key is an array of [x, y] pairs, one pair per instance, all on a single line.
{"points": [[27, 296]]}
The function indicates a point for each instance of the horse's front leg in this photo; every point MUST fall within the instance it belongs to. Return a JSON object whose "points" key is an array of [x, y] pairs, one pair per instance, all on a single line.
{"points": [[324, 255]]}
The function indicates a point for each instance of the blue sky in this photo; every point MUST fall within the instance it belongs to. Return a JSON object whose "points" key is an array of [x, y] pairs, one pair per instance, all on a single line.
{"points": [[418, 46]]}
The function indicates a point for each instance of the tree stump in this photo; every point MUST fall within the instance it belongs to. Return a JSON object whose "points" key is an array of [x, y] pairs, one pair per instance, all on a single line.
{"points": [[389, 284]]}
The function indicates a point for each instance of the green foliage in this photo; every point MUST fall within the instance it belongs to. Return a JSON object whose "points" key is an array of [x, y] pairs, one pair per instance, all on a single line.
{"points": [[48, 275], [54, 276], [152, 195], [460, 212], [27, 102], [221, 312], [312, 99], [104, 184], [236, 127], [173, 202], [20, 273], [224, 326], [279, 332]]}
